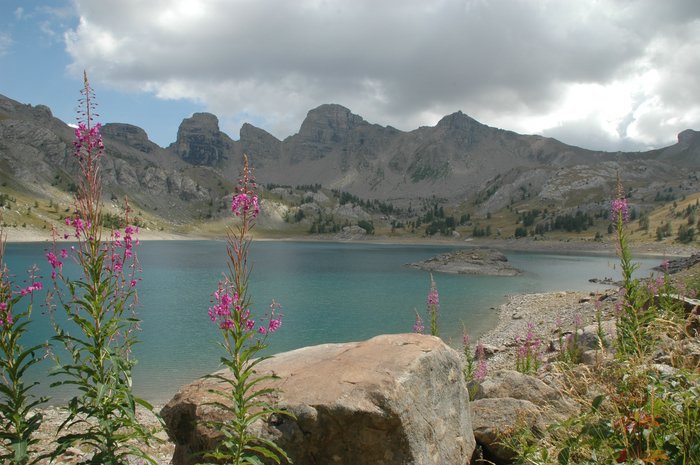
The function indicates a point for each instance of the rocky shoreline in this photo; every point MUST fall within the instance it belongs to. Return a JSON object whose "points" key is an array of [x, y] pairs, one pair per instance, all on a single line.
{"points": [[547, 313], [543, 310]]}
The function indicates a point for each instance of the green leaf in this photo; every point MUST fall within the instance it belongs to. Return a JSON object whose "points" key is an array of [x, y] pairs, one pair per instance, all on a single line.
{"points": [[563, 456], [597, 402]]}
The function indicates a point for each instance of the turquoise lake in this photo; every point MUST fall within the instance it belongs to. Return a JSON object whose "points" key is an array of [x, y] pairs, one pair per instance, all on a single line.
{"points": [[329, 292]]}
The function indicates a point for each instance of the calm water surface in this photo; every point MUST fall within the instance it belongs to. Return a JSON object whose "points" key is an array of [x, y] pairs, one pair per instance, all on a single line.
{"points": [[330, 292]]}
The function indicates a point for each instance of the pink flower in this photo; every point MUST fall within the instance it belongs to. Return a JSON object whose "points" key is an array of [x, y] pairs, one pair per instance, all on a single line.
{"points": [[619, 210], [249, 324], [37, 286], [54, 261], [433, 297], [79, 226], [274, 325], [481, 367], [418, 326], [243, 203]]}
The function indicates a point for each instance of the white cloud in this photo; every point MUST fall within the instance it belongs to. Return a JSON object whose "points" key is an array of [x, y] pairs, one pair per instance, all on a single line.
{"points": [[623, 72], [5, 43]]}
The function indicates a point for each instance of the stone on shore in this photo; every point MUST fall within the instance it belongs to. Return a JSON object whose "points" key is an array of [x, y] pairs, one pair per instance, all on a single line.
{"points": [[394, 399], [516, 385], [493, 418], [508, 399]]}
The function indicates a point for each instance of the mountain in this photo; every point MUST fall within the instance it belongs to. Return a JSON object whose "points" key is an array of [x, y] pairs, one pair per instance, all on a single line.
{"points": [[459, 162]]}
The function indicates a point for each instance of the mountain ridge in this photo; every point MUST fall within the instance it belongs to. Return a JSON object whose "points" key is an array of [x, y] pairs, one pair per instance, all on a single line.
{"points": [[459, 162]]}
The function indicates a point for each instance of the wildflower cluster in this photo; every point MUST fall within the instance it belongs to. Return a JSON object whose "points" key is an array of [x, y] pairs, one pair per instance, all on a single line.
{"points": [[529, 353], [228, 312]]}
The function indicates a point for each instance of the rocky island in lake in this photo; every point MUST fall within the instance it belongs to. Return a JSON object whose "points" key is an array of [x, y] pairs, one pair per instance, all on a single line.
{"points": [[482, 261]]}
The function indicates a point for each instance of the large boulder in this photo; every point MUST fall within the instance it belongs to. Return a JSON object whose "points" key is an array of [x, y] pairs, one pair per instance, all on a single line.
{"points": [[394, 399]]}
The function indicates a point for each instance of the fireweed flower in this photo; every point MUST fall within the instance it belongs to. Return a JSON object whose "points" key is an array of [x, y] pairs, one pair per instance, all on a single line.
{"points": [[418, 326], [54, 261], [242, 341], [275, 319], [99, 306], [619, 209], [245, 203], [433, 306], [481, 366]]}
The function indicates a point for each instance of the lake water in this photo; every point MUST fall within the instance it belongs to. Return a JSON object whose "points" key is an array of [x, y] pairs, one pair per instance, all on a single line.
{"points": [[329, 292]]}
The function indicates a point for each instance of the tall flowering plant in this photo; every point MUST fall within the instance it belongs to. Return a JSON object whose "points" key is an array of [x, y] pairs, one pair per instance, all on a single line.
{"points": [[18, 422], [433, 307], [243, 339], [100, 305], [636, 311]]}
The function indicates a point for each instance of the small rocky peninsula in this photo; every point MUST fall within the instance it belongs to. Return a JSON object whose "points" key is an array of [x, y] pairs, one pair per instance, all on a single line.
{"points": [[481, 261]]}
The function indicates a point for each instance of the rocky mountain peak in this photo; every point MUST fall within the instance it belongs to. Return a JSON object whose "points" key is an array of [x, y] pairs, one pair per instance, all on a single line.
{"points": [[259, 144], [204, 123], [459, 121], [327, 122], [130, 135], [200, 142], [251, 133], [688, 137]]}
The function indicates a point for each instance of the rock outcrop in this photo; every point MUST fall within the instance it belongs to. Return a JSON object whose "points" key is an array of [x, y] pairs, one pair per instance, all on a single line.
{"points": [[130, 135], [394, 399], [486, 262], [679, 264], [200, 142]]}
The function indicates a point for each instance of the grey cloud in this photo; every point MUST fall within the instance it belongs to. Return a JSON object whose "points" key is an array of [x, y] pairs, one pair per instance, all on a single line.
{"points": [[393, 62]]}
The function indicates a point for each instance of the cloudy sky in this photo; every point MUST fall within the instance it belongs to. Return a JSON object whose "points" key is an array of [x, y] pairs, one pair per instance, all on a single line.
{"points": [[601, 74]]}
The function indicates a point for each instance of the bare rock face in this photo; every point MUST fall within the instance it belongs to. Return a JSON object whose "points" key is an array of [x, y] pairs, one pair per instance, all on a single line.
{"points": [[132, 136], [200, 142], [394, 399]]}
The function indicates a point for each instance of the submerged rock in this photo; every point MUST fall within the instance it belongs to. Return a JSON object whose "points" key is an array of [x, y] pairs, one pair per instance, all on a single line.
{"points": [[394, 399]]}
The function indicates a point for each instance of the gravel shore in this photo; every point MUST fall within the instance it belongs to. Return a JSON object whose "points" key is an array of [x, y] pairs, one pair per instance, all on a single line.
{"points": [[545, 312], [161, 451]]}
